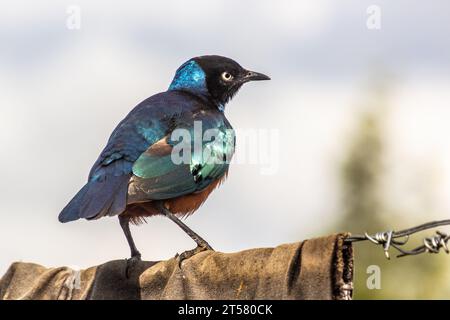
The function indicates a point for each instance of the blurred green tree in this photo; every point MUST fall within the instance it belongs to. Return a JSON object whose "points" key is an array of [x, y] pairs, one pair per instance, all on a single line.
{"points": [[362, 177]]}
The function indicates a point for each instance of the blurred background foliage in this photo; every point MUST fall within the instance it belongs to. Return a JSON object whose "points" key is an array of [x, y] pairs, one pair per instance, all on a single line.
{"points": [[363, 186]]}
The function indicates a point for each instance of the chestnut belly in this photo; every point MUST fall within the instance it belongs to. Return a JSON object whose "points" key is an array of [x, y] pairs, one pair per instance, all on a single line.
{"points": [[181, 206]]}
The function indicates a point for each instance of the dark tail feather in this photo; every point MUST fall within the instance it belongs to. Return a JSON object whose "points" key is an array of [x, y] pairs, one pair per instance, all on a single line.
{"points": [[71, 211], [97, 199], [120, 199]]}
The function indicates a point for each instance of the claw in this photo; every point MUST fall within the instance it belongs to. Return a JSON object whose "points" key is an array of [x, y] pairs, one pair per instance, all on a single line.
{"points": [[190, 253], [131, 263]]}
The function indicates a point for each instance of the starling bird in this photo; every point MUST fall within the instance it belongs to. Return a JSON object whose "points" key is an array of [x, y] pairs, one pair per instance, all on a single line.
{"points": [[138, 174]]}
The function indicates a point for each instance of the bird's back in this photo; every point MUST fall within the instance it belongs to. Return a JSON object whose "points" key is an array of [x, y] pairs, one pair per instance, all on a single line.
{"points": [[136, 165]]}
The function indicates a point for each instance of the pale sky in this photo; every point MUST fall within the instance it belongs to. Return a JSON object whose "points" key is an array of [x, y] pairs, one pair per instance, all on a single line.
{"points": [[64, 91]]}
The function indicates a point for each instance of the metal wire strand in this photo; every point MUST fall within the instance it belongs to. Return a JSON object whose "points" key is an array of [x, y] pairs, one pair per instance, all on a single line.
{"points": [[397, 239]]}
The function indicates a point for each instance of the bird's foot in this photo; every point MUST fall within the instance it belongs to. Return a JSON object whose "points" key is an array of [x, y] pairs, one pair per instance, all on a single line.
{"points": [[132, 263], [190, 253]]}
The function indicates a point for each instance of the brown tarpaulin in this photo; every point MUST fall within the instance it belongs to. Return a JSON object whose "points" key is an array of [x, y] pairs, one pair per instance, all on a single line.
{"points": [[319, 268]]}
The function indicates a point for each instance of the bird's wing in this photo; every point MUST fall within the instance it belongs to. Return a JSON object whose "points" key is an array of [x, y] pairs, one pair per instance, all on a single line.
{"points": [[136, 151], [106, 191], [171, 168]]}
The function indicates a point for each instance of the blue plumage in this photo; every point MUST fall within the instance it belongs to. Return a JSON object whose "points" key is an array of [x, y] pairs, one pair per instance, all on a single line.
{"points": [[152, 120], [190, 76], [143, 126], [137, 167]]}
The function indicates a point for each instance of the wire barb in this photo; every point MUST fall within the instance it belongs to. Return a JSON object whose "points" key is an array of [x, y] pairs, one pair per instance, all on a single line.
{"points": [[397, 239]]}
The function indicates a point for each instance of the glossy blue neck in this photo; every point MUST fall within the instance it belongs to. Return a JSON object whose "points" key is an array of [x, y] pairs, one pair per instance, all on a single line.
{"points": [[190, 77]]}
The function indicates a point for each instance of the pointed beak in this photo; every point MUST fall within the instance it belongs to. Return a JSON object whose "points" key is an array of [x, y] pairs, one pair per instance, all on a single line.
{"points": [[253, 76]]}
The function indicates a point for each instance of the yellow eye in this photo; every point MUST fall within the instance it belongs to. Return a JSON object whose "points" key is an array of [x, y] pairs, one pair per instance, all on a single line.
{"points": [[227, 76]]}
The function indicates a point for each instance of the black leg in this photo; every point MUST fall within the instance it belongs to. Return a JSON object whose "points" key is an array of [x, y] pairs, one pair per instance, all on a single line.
{"points": [[125, 224], [135, 254], [202, 245]]}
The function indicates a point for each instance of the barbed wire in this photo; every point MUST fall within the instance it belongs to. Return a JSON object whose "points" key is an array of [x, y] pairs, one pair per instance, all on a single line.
{"points": [[397, 239]]}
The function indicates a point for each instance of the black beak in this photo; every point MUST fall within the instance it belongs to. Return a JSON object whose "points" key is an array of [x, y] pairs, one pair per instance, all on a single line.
{"points": [[253, 76]]}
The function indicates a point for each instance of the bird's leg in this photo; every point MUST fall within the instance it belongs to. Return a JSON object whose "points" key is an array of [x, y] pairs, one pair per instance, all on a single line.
{"points": [[135, 254], [202, 245], [125, 224]]}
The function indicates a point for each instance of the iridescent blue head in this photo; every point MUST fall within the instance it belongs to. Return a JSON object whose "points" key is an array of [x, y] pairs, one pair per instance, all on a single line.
{"points": [[214, 77]]}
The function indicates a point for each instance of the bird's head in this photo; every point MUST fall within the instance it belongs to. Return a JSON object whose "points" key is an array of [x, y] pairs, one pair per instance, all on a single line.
{"points": [[216, 77]]}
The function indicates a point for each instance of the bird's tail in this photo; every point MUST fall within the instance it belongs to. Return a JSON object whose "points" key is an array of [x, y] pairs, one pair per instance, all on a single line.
{"points": [[97, 199]]}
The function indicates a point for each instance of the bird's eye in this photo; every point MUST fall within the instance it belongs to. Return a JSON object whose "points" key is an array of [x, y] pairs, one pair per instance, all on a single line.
{"points": [[227, 76]]}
